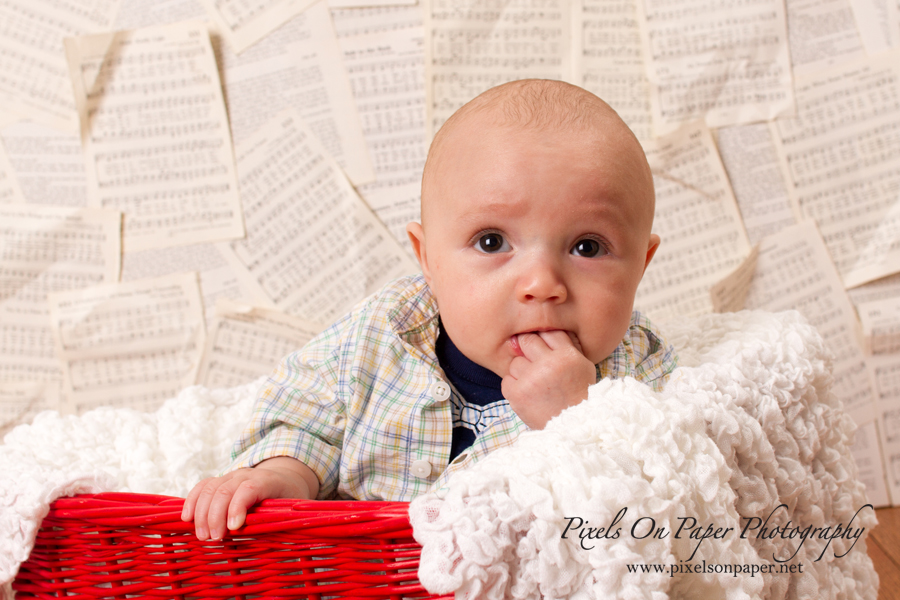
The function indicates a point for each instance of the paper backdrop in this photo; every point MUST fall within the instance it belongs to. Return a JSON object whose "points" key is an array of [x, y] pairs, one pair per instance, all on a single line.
{"points": [[189, 190]]}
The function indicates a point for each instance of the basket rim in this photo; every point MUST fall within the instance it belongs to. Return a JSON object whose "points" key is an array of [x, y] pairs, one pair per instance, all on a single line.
{"points": [[307, 518]]}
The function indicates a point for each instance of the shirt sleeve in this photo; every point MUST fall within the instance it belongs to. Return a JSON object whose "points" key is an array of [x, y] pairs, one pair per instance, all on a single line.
{"points": [[300, 411]]}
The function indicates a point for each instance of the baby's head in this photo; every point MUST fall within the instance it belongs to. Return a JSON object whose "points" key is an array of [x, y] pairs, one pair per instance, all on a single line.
{"points": [[537, 207]]}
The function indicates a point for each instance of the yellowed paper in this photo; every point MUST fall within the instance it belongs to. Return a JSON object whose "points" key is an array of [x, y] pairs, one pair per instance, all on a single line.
{"points": [[703, 239], [885, 373], [35, 82], [608, 61], [886, 287], [298, 67], [880, 321], [751, 161], [245, 22], [49, 164], [795, 272], [21, 401], [822, 33], [47, 250], [216, 275], [246, 342], [155, 134], [725, 61], [10, 192], [313, 247], [729, 294], [478, 44], [336, 4], [867, 453], [880, 20], [385, 58], [130, 344], [840, 158], [136, 14]]}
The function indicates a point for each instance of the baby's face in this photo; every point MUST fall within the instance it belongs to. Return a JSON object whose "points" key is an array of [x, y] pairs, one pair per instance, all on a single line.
{"points": [[529, 231]]}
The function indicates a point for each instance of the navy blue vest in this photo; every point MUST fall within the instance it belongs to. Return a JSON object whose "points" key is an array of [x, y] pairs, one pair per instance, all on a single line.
{"points": [[479, 387]]}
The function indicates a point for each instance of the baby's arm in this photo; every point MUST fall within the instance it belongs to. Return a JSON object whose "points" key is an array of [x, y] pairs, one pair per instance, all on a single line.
{"points": [[217, 501]]}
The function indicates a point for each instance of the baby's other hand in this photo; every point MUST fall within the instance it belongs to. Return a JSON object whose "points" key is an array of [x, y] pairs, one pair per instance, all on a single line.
{"points": [[551, 376], [219, 501]]}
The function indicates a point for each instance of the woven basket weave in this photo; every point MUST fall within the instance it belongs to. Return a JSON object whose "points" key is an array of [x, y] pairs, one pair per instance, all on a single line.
{"points": [[136, 546]]}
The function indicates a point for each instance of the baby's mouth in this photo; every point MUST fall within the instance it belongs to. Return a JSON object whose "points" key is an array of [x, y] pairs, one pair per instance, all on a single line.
{"points": [[516, 348], [514, 345]]}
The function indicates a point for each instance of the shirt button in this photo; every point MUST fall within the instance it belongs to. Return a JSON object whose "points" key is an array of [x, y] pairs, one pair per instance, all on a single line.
{"points": [[440, 390], [420, 468]]}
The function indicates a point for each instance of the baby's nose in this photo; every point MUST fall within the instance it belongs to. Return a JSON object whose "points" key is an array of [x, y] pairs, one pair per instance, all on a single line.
{"points": [[542, 283]]}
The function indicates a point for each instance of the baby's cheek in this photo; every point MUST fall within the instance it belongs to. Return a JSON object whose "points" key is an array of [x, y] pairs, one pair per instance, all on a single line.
{"points": [[602, 338], [596, 354]]}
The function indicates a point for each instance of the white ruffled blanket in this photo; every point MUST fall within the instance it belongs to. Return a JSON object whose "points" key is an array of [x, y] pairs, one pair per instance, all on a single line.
{"points": [[745, 425]]}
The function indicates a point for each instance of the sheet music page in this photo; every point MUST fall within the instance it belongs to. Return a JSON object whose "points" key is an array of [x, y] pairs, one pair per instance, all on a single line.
{"points": [[723, 60], [866, 452], [298, 66], [155, 134], [245, 22], [45, 250], [822, 33], [703, 239], [885, 375], [607, 59], [880, 320], [886, 287], [794, 271], [136, 14], [840, 156], [49, 164], [729, 294], [10, 191], [246, 342], [880, 19], [131, 345], [313, 247], [334, 4], [217, 278], [478, 44], [751, 161], [385, 58], [35, 82], [21, 401]]}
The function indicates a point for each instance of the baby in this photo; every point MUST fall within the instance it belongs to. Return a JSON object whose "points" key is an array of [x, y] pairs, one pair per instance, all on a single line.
{"points": [[537, 207]]}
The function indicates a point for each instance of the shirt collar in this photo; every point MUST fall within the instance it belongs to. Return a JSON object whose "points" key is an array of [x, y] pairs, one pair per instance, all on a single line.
{"points": [[414, 318]]}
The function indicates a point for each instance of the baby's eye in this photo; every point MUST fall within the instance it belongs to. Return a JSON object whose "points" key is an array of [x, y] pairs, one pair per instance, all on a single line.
{"points": [[588, 248], [491, 243]]}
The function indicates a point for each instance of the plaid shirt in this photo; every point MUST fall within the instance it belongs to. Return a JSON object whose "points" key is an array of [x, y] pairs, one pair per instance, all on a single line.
{"points": [[366, 406]]}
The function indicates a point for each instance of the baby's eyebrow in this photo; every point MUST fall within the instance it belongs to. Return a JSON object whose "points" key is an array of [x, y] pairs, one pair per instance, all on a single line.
{"points": [[488, 210]]}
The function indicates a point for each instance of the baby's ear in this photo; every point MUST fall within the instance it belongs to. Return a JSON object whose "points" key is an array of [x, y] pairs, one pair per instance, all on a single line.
{"points": [[417, 238], [651, 250]]}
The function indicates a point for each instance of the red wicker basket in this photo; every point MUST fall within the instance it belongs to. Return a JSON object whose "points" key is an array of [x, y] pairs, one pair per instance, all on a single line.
{"points": [[136, 546]]}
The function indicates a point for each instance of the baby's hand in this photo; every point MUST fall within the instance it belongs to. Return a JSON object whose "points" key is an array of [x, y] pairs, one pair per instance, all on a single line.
{"points": [[217, 501], [551, 376]]}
